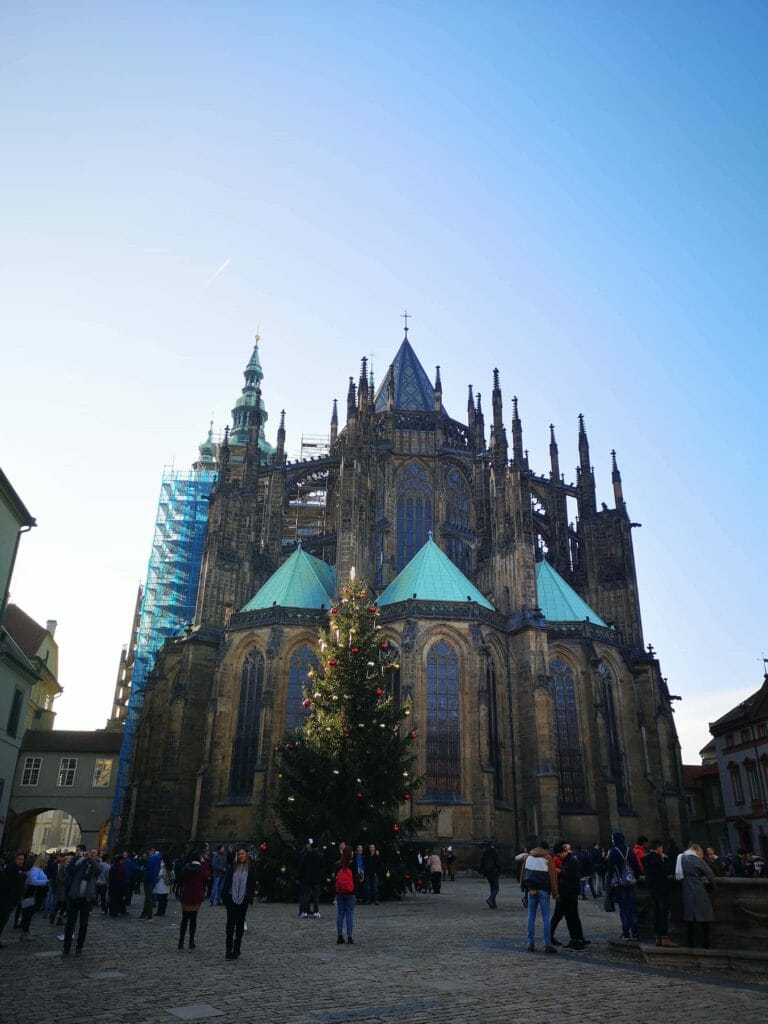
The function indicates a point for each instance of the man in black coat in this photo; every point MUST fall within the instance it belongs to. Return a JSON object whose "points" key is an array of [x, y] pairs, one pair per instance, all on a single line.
{"points": [[657, 869], [567, 905]]}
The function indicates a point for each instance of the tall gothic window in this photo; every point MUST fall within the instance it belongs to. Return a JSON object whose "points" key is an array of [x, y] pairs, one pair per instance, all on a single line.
{"points": [[443, 780], [414, 512], [246, 745], [570, 760], [494, 743], [616, 763], [302, 660], [457, 519]]}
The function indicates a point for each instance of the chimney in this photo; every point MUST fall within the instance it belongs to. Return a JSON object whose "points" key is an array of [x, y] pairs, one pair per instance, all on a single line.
{"points": [[51, 625]]}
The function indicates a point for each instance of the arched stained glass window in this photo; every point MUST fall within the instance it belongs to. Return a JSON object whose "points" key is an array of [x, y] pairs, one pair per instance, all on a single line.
{"points": [[570, 761], [414, 512], [616, 764], [443, 781], [458, 522], [246, 745], [302, 659], [494, 741]]}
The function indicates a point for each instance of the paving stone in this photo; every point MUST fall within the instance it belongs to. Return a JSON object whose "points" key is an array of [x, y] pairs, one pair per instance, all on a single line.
{"points": [[106, 975], [198, 1011]]}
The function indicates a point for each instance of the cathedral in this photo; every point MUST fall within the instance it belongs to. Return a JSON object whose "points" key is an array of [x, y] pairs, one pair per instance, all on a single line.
{"points": [[538, 709]]}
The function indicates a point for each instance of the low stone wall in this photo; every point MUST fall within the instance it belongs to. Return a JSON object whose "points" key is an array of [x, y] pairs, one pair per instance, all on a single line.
{"points": [[741, 913]]}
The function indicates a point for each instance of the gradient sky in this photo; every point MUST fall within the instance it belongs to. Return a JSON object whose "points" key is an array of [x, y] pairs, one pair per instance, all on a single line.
{"points": [[573, 192]]}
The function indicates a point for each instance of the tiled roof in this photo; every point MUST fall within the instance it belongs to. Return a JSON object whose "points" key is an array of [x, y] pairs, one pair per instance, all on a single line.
{"points": [[302, 581], [414, 391], [558, 601], [27, 633], [431, 576], [753, 707]]}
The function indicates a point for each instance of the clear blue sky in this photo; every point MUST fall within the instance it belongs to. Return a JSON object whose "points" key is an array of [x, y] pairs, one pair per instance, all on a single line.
{"points": [[573, 192]]}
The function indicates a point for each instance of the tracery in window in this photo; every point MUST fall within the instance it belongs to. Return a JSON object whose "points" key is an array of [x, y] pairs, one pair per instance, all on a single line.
{"points": [[458, 522], [301, 661], [443, 781], [414, 512], [570, 761], [494, 741], [246, 745], [616, 763]]}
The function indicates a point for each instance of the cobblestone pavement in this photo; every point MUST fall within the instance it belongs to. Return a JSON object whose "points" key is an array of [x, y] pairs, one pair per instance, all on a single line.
{"points": [[442, 959]]}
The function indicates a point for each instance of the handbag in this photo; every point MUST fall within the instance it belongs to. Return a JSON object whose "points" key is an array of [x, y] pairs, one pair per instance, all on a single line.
{"points": [[27, 902]]}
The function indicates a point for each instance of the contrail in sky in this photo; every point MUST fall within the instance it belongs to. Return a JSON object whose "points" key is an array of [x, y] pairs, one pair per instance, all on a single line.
{"points": [[221, 270]]}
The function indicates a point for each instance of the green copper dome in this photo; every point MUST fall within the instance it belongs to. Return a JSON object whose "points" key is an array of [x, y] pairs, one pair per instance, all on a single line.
{"points": [[302, 581], [431, 576]]}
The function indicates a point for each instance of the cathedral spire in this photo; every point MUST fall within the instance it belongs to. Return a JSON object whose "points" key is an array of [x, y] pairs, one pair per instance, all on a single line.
{"points": [[518, 455], [362, 388], [480, 424], [391, 388], [249, 407], [618, 493], [335, 421], [470, 410], [438, 391], [351, 399], [585, 478], [554, 458], [500, 448], [280, 453], [207, 452]]}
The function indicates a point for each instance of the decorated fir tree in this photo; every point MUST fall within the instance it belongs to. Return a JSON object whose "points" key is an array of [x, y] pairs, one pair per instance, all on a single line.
{"points": [[348, 773]]}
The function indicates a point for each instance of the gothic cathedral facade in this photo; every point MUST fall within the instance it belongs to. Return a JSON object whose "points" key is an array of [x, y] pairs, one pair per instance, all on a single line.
{"points": [[539, 711]]}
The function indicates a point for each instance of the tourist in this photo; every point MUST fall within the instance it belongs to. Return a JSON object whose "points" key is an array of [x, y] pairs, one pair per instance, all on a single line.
{"points": [[372, 868], [697, 877], [102, 882], [639, 850], [12, 882], [219, 867], [567, 901], [237, 895], [149, 880], [716, 865], [194, 877], [435, 870], [540, 882], [359, 870], [450, 860], [162, 889], [82, 873], [657, 869], [621, 875], [585, 873], [345, 895], [310, 879], [116, 887], [490, 867], [34, 893]]}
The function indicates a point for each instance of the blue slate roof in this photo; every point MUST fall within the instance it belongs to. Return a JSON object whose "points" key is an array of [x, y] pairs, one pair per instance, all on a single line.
{"points": [[431, 576], [414, 391], [302, 581], [558, 600]]}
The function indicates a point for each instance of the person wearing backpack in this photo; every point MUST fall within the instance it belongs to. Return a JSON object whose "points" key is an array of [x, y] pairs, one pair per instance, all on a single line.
{"points": [[345, 895], [540, 882], [621, 875]]}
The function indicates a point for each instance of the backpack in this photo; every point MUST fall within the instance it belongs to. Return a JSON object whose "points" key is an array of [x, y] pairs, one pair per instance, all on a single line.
{"points": [[624, 877], [345, 884]]}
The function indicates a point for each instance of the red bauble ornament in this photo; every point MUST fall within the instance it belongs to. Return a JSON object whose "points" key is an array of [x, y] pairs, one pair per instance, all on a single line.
{"points": [[359, 796], [406, 796], [289, 747], [331, 662], [346, 734], [395, 828], [412, 735], [372, 609], [383, 645], [305, 703], [379, 691], [367, 753], [263, 847], [355, 650], [334, 611]]}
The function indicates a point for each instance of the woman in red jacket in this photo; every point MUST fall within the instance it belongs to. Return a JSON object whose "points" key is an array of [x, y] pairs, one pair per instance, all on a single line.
{"points": [[194, 875]]}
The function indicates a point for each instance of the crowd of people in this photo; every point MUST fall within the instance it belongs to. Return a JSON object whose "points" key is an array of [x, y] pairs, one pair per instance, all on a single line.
{"points": [[65, 888]]}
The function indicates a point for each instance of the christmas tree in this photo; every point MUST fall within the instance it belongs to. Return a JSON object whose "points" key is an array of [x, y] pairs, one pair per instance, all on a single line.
{"points": [[348, 772]]}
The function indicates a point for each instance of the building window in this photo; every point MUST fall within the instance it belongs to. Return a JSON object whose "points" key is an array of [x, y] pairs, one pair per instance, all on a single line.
{"points": [[30, 776], [15, 714], [717, 801], [494, 742], [570, 756], [302, 660], [745, 736], [753, 783], [736, 786], [616, 765], [762, 730], [245, 751], [67, 770], [729, 739], [414, 512], [457, 520], [102, 773], [443, 781]]}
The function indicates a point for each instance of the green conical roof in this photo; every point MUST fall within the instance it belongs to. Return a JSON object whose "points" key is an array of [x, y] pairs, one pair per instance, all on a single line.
{"points": [[558, 601], [302, 581], [431, 576]]}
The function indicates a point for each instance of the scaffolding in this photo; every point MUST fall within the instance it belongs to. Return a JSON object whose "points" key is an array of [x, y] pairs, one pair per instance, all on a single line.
{"points": [[168, 599], [304, 515]]}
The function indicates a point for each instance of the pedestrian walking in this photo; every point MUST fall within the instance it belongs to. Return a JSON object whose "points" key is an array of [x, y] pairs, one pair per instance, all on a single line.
{"points": [[149, 881], [82, 874], [161, 889], [194, 877], [697, 878], [490, 867], [34, 893], [310, 879], [567, 901], [237, 894]]}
